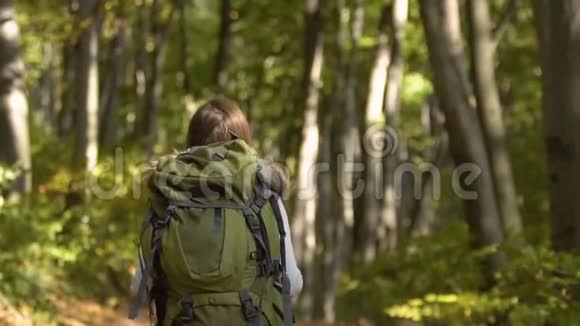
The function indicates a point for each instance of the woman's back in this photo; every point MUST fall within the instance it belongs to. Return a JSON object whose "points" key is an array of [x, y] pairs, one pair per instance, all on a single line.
{"points": [[217, 229]]}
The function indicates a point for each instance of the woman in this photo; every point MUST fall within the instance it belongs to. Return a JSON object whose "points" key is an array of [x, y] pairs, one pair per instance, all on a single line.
{"points": [[231, 232]]}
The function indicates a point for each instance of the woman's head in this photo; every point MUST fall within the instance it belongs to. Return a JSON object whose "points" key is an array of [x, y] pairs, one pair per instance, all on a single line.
{"points": [[218, 120]]}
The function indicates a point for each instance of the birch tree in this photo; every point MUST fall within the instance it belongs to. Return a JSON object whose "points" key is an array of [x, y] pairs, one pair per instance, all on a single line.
{"points": [[14, 137]]}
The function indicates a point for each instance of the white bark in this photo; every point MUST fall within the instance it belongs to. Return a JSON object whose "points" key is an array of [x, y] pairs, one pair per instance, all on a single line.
{"points": [[14, 137]]}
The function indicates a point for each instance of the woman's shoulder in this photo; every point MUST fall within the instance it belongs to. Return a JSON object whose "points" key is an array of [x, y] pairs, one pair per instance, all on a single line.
{"points": [[273, 176]]}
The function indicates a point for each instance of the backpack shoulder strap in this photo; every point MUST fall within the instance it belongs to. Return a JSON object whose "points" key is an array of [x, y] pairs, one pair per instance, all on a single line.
{"points": [[279, 214], [156, 293]]}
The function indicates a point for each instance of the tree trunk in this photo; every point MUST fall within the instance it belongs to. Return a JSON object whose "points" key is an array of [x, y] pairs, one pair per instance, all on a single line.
{"points": [[442, 30], [559, 36], [367, 238], [141, 35], [338, 226], [70, 50], [305, 208], [222, 57], [351, 145], [42, 95], [185, 55], [423, 217], [65, 113], [153, 85], [490, 114], [110, 96], [87, 78], [14, 137], [326, 212], [390, 222], [187, 81]]}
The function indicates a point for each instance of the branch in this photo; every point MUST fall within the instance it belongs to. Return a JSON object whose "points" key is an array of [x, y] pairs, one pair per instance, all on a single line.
{"points": [[507, 15]]}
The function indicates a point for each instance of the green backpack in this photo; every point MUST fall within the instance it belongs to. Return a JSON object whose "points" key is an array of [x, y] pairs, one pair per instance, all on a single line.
{"points": [[213, 242]]}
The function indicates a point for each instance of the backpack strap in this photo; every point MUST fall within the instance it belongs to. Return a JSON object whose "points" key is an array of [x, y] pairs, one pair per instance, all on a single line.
{"points": [[275, 202], [251, 314], [255, 225], [158, 291], [263, 195], [261, 198]]}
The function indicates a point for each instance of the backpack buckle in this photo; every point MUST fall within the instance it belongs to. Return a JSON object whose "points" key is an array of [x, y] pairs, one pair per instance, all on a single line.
{"points": [[186, 315], [160, 222], [253, 222], [248, 309], [277, 268], [264, 269], [255, 208]]}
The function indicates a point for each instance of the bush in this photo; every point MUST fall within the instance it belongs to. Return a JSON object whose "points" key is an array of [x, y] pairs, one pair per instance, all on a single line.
{"points": [[439, 281]]}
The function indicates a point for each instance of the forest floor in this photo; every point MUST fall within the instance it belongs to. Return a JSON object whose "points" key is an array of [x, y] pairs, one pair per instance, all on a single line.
{"points": [[77, 313], [91, 313]]}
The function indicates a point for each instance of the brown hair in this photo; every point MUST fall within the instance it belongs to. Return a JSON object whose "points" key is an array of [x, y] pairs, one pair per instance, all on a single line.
{"points": [[218, 120]]}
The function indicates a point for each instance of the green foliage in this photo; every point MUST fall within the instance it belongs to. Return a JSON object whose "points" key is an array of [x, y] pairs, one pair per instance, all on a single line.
{"points": [[51, 246], [437, 280], [27, 250], [53, 243]]}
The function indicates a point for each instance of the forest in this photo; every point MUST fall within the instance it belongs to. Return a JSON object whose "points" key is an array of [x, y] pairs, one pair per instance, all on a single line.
{"points": [[432, 149]]}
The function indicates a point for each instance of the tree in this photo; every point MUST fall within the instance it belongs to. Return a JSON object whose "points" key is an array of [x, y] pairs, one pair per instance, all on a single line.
{"points": [[160, 23], [367, 237], [444, 42], [185, 55], [423, 215], [490, 113], [14, 138], [68, 90], [338, 232], [559, 40], [87, 80], [140, 62], [110, 95], [224, 44], [43, 95], [305, 206], [389, 225]]}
